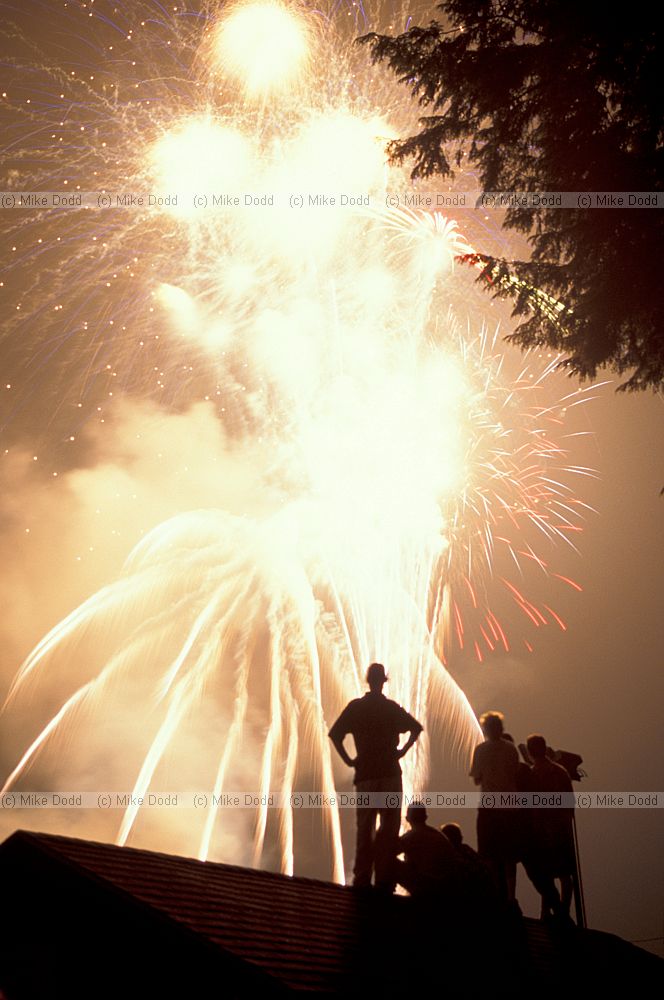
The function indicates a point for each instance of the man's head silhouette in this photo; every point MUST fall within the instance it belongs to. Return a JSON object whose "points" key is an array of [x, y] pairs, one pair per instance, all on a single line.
{"points": [[376, 676], [453, 833], [536, 746], [416, 814], [492, 725]]}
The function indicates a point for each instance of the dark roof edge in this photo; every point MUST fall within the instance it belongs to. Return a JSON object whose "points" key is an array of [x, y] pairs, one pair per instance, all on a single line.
{"points": [[44, 839], [35, 841]]}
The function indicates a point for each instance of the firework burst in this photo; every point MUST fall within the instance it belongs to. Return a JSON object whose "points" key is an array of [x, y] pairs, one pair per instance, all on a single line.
{"points": [[402, 470]]}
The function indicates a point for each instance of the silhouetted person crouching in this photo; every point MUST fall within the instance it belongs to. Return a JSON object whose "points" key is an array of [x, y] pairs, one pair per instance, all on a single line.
{"points": [[431, 867]]}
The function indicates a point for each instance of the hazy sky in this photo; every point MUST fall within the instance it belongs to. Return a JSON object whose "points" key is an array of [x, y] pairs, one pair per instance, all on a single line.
{"points": [[595, 688]]}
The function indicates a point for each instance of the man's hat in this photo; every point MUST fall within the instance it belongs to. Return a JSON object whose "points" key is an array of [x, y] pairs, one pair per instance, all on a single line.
{"points": [[376, 672]]}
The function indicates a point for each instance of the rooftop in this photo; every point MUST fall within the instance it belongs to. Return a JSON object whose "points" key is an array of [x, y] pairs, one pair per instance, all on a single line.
{"points": [[74, 906]]}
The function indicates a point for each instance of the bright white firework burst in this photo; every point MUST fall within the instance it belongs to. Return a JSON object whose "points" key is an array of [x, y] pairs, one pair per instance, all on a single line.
{"points": [[399, 463]]}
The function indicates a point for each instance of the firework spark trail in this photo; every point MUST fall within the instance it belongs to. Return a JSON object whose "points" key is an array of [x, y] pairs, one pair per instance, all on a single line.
{"points": [[400, 463]]}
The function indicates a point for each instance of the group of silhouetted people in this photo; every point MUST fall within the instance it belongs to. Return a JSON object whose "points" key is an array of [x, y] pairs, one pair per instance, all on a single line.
{"points": [[436, 864], [542, 839]]}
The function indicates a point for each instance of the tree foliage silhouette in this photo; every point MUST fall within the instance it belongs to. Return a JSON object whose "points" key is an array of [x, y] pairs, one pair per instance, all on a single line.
{"points": [[535, 95]]}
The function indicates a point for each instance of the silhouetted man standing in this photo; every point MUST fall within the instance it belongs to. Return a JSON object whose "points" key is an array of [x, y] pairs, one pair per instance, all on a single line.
{"points": [[552, 849], [494, 768], [376, 724]]}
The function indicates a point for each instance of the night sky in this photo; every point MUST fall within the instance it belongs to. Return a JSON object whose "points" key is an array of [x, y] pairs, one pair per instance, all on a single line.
{"points": [[75, 496]]}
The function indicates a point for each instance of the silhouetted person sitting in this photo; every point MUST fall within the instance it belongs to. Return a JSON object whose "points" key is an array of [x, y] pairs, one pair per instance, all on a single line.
{"points": [[454, 834], [478, 884], [494, 768], [552, 852], [376, 725], [431, 866]]}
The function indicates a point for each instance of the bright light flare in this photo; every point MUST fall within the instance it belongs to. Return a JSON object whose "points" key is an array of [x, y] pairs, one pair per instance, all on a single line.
{"points": [[264, 46], [341, 152], [384, 451], [198, 158]]}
